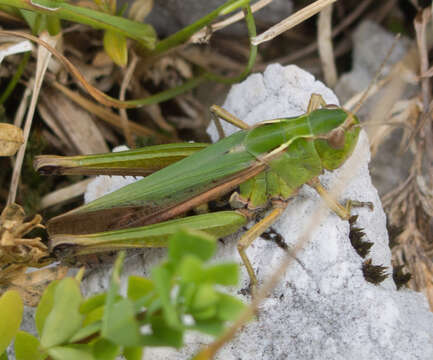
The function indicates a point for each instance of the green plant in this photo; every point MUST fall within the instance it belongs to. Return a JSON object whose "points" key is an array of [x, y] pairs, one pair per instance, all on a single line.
{"points": [[180, 295]]}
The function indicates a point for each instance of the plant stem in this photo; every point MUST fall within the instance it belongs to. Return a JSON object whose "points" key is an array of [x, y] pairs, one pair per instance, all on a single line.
{"points": [[252, 56], [15, 78], [184, 34]]}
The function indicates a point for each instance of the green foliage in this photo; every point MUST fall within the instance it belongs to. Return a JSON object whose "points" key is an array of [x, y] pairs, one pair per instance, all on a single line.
{"points": [[64, 319], [115, 46], [11, 313], [179, 296], [27, 347]]}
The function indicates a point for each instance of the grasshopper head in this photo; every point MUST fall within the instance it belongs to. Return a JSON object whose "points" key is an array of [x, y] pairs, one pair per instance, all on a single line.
{"points": [[336, 135]]}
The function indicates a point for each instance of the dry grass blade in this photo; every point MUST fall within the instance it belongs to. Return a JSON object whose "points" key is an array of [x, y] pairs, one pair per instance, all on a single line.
{"points": [[292, 57], [383, 109], [239, 15], [21, 111], [9, 17], [204, 34], [401, 114], [43, 58], [410, 205], [125, 83], [291, 21], [94, 92], [65, 194], [324, 39], [140, 9], [14, 48], [106, 114], [76, 125]]}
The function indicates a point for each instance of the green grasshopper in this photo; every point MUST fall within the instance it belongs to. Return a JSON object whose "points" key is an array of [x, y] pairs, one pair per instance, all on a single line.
{"points": [[267, 163]]}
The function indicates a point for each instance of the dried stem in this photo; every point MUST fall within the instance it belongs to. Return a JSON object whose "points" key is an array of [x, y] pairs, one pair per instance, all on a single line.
{"points": [[355, 14], [43, 58], [291, 21], [324, 39], [123, 114]]}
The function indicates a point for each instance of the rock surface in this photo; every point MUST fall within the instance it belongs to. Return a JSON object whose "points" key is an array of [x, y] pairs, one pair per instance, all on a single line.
{"points": [[323, 307]]}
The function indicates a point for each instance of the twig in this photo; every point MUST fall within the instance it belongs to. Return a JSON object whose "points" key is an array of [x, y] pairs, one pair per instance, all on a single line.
{"points": [[64, 194], [291, 21], [239, 15], [314, 46], [43, 59], [324, 39], [106, 114], [123, 114]]}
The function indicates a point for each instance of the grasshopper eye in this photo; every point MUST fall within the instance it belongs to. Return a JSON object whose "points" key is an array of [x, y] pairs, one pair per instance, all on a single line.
{"points": [[336, 138]]}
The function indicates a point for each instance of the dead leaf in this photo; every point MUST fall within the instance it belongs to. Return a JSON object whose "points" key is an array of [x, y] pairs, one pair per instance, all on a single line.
{"points": [[11, 138], [32, 285], [14, 249], [14, 48], [18, 253], [140, 9], [71, 123]]}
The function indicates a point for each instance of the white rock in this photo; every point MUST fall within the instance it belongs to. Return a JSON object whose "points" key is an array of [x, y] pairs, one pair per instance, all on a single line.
{"points": [[105, 184], [323, 308]]}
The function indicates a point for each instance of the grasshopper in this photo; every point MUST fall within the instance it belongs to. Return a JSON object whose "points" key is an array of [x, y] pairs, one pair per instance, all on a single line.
{"points": [[262, 167]]}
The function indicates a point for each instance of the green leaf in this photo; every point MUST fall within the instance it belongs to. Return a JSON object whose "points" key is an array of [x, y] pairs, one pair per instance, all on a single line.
{"points": [[64, 319], [53, 25], [36, 22], [45, 305], [4, 356], [191, 243], [71, 352], [105, 350], [162, 279], [143, 33], [133, 353], [116, 47], [187, 293], [11, 313], [222, 274], [205, 296], [163, 334], [211, 326], [205, 314], [86, 331], [191, 269], [92, 303], [94, 316], [139, 287], [229, 307], [27, 347], [120, 325]]}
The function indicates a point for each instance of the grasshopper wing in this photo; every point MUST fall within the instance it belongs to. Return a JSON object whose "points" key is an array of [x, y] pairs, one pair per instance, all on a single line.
{"points": [[167, 193]]}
